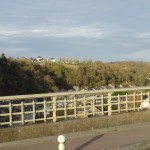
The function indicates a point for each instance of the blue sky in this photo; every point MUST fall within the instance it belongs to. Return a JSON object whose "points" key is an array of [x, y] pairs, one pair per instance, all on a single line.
{"points": [[105, 30]]}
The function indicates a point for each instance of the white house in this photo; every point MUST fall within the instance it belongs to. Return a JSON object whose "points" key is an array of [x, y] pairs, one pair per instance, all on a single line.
{"points": [[52, 60], [39, 58]]}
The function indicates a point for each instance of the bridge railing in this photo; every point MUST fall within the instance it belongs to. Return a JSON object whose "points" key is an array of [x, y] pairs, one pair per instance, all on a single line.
{"points": [[28, 109]]}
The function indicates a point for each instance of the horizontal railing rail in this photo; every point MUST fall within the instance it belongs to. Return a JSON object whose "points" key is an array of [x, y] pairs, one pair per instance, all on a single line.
{"points": [[71, 93]]}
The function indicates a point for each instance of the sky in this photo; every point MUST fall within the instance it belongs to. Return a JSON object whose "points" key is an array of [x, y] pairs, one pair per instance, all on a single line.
{"points": [[98, 30]]}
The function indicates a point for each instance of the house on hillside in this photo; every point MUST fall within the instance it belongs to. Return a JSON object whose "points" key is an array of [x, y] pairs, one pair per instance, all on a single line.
{"points": [[52, 60], [23, 58], [39, 58]]}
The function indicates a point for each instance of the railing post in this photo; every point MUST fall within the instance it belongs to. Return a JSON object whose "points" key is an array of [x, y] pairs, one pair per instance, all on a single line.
{"points": [[84, 106], [102, 104], [141, 100], [148, 99], [10, 114], [54, 109], [45, 103], [34, 111], [109, 104], [61, 139], [65, 107], [118, 103], [93, 106], [75, 107], [134, 101], [126, 102], [22, 112]]}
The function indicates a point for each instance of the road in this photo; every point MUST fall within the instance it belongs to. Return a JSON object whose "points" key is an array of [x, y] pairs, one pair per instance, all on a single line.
{"points": [[133, 137]]}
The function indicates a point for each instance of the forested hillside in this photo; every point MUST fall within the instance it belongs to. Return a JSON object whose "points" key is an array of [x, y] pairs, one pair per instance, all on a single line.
{"points": [[26, 77]]}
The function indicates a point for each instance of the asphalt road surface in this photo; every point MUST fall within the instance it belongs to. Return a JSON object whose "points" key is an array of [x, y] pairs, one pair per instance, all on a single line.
{"points": [[129, 137]]}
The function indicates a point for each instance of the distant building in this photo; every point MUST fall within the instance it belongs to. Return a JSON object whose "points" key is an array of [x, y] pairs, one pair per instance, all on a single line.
{"points": [[23, 58], [52, 60], [69, 60], [39, 58]]}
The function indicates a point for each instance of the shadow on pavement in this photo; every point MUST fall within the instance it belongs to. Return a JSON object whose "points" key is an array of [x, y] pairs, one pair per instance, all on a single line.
{"points": [[89, 142]]}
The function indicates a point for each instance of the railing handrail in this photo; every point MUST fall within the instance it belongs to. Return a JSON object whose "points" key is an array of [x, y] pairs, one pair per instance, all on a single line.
{"points": [[17, 97]]}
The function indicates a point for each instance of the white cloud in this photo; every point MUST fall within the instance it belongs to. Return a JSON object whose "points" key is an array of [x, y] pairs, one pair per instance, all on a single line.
{"points": [[8, 39], [144, 36], [10, 51], [127, 44], [91, 31], [139, 55]]}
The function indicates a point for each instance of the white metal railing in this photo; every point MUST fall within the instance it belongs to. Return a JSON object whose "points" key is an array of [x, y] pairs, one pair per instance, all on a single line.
{"points": [[27, 109]]}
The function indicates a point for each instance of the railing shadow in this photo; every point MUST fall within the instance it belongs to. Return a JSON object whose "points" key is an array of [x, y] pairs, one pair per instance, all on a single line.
{"points": [[89, 142]]}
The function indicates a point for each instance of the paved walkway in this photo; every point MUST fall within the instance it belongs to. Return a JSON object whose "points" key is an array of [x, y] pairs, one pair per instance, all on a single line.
{"points": [[129, 137]]}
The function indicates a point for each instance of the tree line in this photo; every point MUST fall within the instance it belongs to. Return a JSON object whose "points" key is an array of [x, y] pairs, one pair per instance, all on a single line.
{"points": [[19, 77]]}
